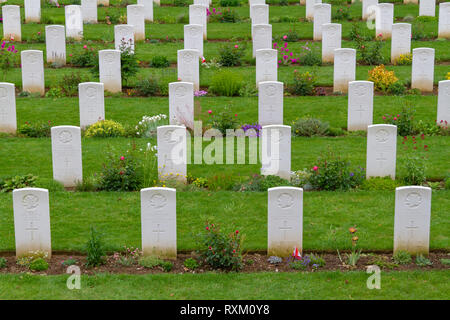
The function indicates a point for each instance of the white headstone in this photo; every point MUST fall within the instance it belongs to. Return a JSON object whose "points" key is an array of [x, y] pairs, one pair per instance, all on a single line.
{"points": [[181, 104], [444, 20], [369, 8], [110, 70], [136, 18], [381, 150], [401, 40], [443, 110], [427, 8], [55, 44], [8, 122], [202, 2], [412, 219], [331, 39], [89, 11], [344, 69], [124, 37], [260, 14], [384, 20], [423, 69], [92, 103], [276, 151], [266, 65], [360, 105], [148, 9], [32, 62], [322, 15], [197, 15], [11, 23], [188, 67], [310, 8], [66, 155], [262, 37], [172, 152], [285, 221], [32, 10], [270, 103], [32, 221], [159, 222], [254, 2], [74, 22], [193, 37]]}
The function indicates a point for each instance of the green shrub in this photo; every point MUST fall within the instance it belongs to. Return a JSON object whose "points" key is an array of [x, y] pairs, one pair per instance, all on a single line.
{"points": [[413, 170], [447, 183], [336, 132], [37, 129], [370, 52], [309, 127], [181, 3], [189, 263], [402, 257], [418, 32], [9, 184], [378, 183], [404, 120], [220, 251], [159, 62], [223, 121], [69, 83], [422, 261], [121, 173], [95, 249], [397, 89], [86, 57], [272, 182], [231, 55], [303, 84], [105, 129], [333, 173], [310, 56], [248, 90], [226, 83], [341, 14], [261, 183], [54, 93], [147, 87], [151, 262], [445, 262], [290, 36], [3, 263], [229, 3], [39, 265], [69, 262]]}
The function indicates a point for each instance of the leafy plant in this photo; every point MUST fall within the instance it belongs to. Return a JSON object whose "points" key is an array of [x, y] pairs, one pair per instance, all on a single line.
{"points": [[159, 62], [414, 165], [95, 249], [128, 257], [8, 57], [229, 3], [341, 14], [105, 129], [146, 128], [220, 251], [262, 183], [3, 263], [275, 260], [231, 56], [38, 265], [223, 121], [310, 55], [445, 262], [422, 261], [147, 87], [17, 182], [34, 260], [402, 257], [69, 262], [226, 83], [69, 83], [397, 88], [309, 127], [304, 83], [191, 263], [404, 120], [404, 60], [382, 79], [86, 57], [370, 52], [37, 129], [151, 262], [380, 183]]}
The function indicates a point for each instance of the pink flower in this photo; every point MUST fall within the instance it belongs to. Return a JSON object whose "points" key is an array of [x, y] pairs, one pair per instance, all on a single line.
{"points": [[85, 47], [236, 46], [122, 158], [284, 37], [209, 111], [395, 118], [315, 168]]}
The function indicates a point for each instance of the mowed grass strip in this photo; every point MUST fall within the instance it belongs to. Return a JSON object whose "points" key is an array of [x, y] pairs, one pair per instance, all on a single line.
{"points": [[117, 215], [283, 286]]}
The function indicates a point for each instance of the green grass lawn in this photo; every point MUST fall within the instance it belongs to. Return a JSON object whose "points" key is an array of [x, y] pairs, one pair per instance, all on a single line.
{"points": [[117, 214], [284, 286]]}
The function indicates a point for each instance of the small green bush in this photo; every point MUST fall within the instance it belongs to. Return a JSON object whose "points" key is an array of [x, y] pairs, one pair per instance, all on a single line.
{"points": [[303, 84], [105, 129], [37, 129], [121, 173], [95, 249], [229, 3], [69, 83], [402, 257], [422, 261], [159, 62], [9, 184], [191, 263], [3, 263], [308, 127], [151, 262], [397, 89], [223, 121], [261, 183], [226, 83], [445, 262], [231, 55], [39, 265], [86, 57], [147, 87], [181, 3]]}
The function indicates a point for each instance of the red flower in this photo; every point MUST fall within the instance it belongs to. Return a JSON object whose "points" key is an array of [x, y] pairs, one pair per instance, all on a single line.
{"points": [[237, 231], [121, 172]]}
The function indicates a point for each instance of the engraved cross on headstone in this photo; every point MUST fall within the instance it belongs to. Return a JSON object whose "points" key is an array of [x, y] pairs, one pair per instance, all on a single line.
{"points": [[32, 229], [285, 229], [380, 159], [411, 229], [3, 113], [158, 231], [360, 109]]}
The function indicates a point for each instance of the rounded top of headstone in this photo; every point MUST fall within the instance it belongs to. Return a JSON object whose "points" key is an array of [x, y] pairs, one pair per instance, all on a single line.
{"points": [[266, 83], [54, 26], [7, 84], [73, 6], [194, 51], [444, 4], [124, 26], [442, 82], [262, 26], [401, 25], [343, 50], [36, 190], [135, 6], [375, 126], [319, 6], [259, 5], [276, 126], [296, 189], [418, 50], [331, 25], [181, 83], [356, 82], [11, 6], [57, 128], [426, 189], [156, 189], [85, 84], [25, 52], [266, 51], [386, 5]]}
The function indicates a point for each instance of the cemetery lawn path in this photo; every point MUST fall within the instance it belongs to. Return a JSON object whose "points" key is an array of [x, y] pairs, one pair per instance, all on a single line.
{"points": [[316, 285]]}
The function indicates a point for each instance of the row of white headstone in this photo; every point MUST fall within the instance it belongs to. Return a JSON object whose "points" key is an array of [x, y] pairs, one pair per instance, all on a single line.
{"points": [[284, 221]]}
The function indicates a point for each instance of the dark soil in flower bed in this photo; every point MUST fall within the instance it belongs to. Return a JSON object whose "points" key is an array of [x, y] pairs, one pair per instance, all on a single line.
{"points": [[252, 263]]}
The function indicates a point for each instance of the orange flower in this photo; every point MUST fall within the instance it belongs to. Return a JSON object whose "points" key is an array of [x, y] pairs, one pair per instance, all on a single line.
{"points": [[355, 239], [352, 230]]}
